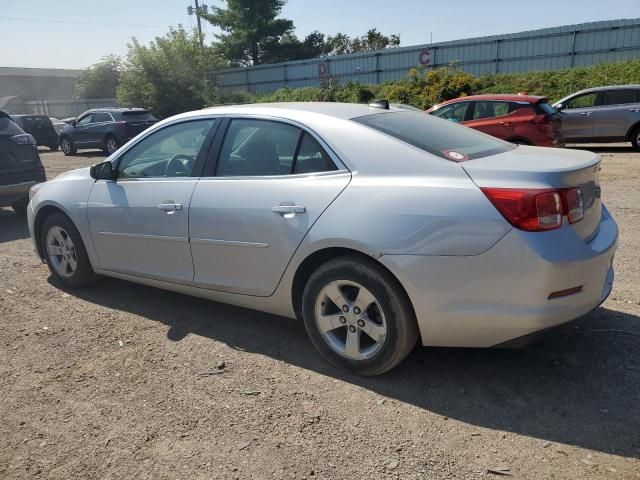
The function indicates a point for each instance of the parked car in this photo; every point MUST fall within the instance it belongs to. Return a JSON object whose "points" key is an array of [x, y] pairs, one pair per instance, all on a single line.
{"points": [[41, 127], [376, 226], [601, 115], [519, 119], [105, 128], [20, 165]]}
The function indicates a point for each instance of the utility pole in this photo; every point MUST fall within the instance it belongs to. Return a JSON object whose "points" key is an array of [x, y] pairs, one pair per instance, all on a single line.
{"points": [[199, 24], [198, 10]]}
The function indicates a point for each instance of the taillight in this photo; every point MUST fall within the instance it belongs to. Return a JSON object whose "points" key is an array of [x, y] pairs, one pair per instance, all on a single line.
{"points": [[23, 139], [575, 207], [537, 210], [533, 210]]}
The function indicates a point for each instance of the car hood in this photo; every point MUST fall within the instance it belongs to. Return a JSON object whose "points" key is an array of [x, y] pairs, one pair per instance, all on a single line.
{"points": [[76, 174]]}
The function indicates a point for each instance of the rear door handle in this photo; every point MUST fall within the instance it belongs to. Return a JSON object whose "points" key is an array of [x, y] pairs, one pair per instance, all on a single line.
{"points": [[586, 114], [634, 110], [284, 209], [169, 207], [505, 123]]}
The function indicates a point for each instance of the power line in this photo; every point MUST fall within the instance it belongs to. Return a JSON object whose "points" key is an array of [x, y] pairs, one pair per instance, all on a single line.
{"points": [[71, 22]]}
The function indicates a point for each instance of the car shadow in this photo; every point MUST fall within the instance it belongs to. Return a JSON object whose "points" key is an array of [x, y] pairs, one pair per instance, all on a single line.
{"points": [[13, 226], [604, 148], [579, 385]]}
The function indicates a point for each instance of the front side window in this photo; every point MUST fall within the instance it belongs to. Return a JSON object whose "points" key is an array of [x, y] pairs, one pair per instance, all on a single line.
{"points": [[452, 142], [484, 109], [168, 152], [619, 97], [583, 101], [87, 119], [102, 117], [456, 112]]}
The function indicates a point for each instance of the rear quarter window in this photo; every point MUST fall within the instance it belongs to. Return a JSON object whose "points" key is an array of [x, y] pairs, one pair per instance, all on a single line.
{"points": [[436, 136], [137, 116]]}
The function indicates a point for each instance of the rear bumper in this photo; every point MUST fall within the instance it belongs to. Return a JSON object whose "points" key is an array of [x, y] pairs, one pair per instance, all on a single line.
{"points": [[502, 294], [10, 194]]}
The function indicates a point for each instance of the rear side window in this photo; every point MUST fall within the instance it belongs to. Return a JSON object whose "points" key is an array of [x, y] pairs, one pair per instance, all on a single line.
{"points": [[311, 158], [444, 139], [619, 97], [490, 109], [8, 127], [546, 108]]}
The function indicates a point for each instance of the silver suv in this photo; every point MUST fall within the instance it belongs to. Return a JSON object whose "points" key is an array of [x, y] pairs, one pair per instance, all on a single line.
{"points": [[603, 114]]}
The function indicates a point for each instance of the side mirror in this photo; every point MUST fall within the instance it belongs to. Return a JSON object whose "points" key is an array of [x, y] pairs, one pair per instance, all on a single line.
{"points": [[73, 123], [559, 106], [103, 171]]}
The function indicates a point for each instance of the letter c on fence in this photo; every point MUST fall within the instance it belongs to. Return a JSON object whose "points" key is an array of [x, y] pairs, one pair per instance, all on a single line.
{"points": [[322, 69], [424, 57]]}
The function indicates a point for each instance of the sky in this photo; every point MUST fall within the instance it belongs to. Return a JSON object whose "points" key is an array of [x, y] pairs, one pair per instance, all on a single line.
{"points": [[78, 33]]}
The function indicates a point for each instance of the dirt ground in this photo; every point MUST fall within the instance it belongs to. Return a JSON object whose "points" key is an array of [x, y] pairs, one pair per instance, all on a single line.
{"points": [[125, 381]]}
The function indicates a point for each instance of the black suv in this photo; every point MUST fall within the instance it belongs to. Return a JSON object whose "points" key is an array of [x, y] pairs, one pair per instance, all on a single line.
{"points": [[20, 165], [41, 127], [105, 128]]}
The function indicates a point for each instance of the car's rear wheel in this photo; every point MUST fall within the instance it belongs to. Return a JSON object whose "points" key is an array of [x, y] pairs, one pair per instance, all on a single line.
{"points": [[357, 316], [65, 253], [20, 207], [67, 146], [635, 138], [111, 144]]}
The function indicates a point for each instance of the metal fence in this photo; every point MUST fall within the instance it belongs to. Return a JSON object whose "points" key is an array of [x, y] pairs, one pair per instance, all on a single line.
{"points": [[67, 108], [547, 49]]}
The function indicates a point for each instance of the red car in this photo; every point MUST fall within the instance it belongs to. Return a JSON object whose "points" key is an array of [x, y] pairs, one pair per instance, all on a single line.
{"points": [[521, 119]]}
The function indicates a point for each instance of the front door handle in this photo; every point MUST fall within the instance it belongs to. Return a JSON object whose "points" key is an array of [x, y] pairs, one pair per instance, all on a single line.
{"points": [[586, 114], [506, 124], [170, 207], [284, 209], [634, 110]]}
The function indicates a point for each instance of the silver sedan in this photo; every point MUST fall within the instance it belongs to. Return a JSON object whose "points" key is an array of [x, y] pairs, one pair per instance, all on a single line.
{"points": [[379, 227]]}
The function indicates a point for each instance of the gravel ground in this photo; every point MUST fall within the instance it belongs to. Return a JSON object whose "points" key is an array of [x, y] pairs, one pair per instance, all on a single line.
{"points": [[124, 381]]}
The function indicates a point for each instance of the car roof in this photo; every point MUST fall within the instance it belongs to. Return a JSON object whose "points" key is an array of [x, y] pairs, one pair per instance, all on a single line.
{"points": [[507, 97], [29, 115], [609, 87], [116, 110], [345, 111]]}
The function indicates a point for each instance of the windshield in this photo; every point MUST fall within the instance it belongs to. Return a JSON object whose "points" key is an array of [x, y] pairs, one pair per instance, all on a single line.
{"points": [[436, 136]]}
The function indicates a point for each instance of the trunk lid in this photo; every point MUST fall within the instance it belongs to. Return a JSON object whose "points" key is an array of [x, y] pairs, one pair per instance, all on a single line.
{"points": [[535, 167]]}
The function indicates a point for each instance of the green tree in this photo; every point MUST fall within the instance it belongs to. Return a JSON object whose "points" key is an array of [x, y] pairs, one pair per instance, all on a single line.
{"points": [[170, 75], [250, 30], [341, 43], [99, 80]]}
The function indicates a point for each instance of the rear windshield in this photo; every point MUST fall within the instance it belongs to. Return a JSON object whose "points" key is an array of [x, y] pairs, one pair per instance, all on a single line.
{"points": [[8, 127], [546, 108], [137, 116], [436, 136]]}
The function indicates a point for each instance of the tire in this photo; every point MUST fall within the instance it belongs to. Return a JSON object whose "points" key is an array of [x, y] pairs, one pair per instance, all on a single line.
{"points": [[67, 146], [635, 138], [111, 144], [54, 147], [20, 207], [57, 230], [389, 314]]}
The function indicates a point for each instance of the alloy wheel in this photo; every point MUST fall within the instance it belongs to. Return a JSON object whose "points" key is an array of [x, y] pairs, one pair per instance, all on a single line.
{"points": [[61, 252], [350, 320], [112, 146], [65, 145]]}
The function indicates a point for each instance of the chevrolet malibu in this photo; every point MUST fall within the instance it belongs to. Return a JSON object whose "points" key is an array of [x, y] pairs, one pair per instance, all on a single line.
{"points": [[379, 227]]}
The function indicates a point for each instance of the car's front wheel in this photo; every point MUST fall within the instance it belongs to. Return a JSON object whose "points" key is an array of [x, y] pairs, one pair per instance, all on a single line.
{"points": [[357, 316], [67, 146], [65, 253]]}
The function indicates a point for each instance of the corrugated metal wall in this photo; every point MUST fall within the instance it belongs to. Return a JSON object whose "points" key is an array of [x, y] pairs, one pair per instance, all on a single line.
{"points": [[546, 49]]}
